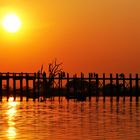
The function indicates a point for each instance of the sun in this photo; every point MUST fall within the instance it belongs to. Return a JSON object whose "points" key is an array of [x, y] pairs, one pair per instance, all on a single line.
{"points": [[11, 23]]}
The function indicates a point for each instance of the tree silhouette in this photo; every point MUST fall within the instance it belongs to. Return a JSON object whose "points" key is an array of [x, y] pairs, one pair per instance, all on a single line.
{"points": [[54, 69]]}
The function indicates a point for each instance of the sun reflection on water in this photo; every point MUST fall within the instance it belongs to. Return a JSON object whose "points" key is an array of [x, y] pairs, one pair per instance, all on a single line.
{"points": [[11, 112], [11, 133]]}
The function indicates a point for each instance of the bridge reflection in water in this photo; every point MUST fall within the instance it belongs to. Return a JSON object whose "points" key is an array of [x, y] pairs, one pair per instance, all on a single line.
{"points": [[70, 120]]}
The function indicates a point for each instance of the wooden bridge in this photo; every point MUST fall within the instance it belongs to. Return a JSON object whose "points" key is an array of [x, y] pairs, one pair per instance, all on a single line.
{"points": [[77, 87]]}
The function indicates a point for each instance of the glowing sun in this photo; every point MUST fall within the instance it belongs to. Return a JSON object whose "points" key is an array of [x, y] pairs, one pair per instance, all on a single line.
{"points": [[11, 23]]}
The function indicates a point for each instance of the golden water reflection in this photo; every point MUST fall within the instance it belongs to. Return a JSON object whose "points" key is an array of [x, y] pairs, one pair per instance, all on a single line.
{"points": [[70, 120], [11, 112], [11, 133]]}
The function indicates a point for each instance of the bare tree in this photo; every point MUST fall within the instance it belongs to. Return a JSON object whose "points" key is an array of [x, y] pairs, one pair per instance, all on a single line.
{"points": [[54, 69]]}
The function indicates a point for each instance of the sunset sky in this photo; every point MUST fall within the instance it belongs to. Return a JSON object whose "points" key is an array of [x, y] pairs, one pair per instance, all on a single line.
{"points": [[86, 35]]}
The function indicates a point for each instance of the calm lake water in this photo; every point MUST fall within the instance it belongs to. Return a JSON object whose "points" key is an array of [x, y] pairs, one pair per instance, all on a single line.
{"points": [[54, 120]]}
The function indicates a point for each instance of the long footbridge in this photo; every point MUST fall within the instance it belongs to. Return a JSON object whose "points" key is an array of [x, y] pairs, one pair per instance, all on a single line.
{"points": [[36, 85]]}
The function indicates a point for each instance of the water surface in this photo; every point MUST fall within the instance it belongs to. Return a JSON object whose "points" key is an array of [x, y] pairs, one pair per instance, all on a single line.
{"points": [[54, 120]]}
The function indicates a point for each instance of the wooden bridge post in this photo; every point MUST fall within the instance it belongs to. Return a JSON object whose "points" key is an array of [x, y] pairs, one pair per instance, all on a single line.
{"points": [[81, 80], [59, 84], [34, 87], [1, 87], [111, 86], [38, 78], [21, 87], [68, 89], [84, 88], [124, 89], [14, 85], [89, 87], [44, 86], [137, 88], [27, 87], [97, 88], [75, 87], [117, 88], [130, 88], [103, 87], [7, 85]]}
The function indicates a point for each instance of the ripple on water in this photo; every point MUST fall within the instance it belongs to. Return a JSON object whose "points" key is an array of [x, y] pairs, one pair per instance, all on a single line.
{"points": [[70, 120]]}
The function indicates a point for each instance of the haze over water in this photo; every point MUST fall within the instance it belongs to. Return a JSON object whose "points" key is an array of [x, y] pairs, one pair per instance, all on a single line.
{"points": [[54, 120]]}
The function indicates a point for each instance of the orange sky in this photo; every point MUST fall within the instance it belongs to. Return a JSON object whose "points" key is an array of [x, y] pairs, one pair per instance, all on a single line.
{"points": [[86, 35]]}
